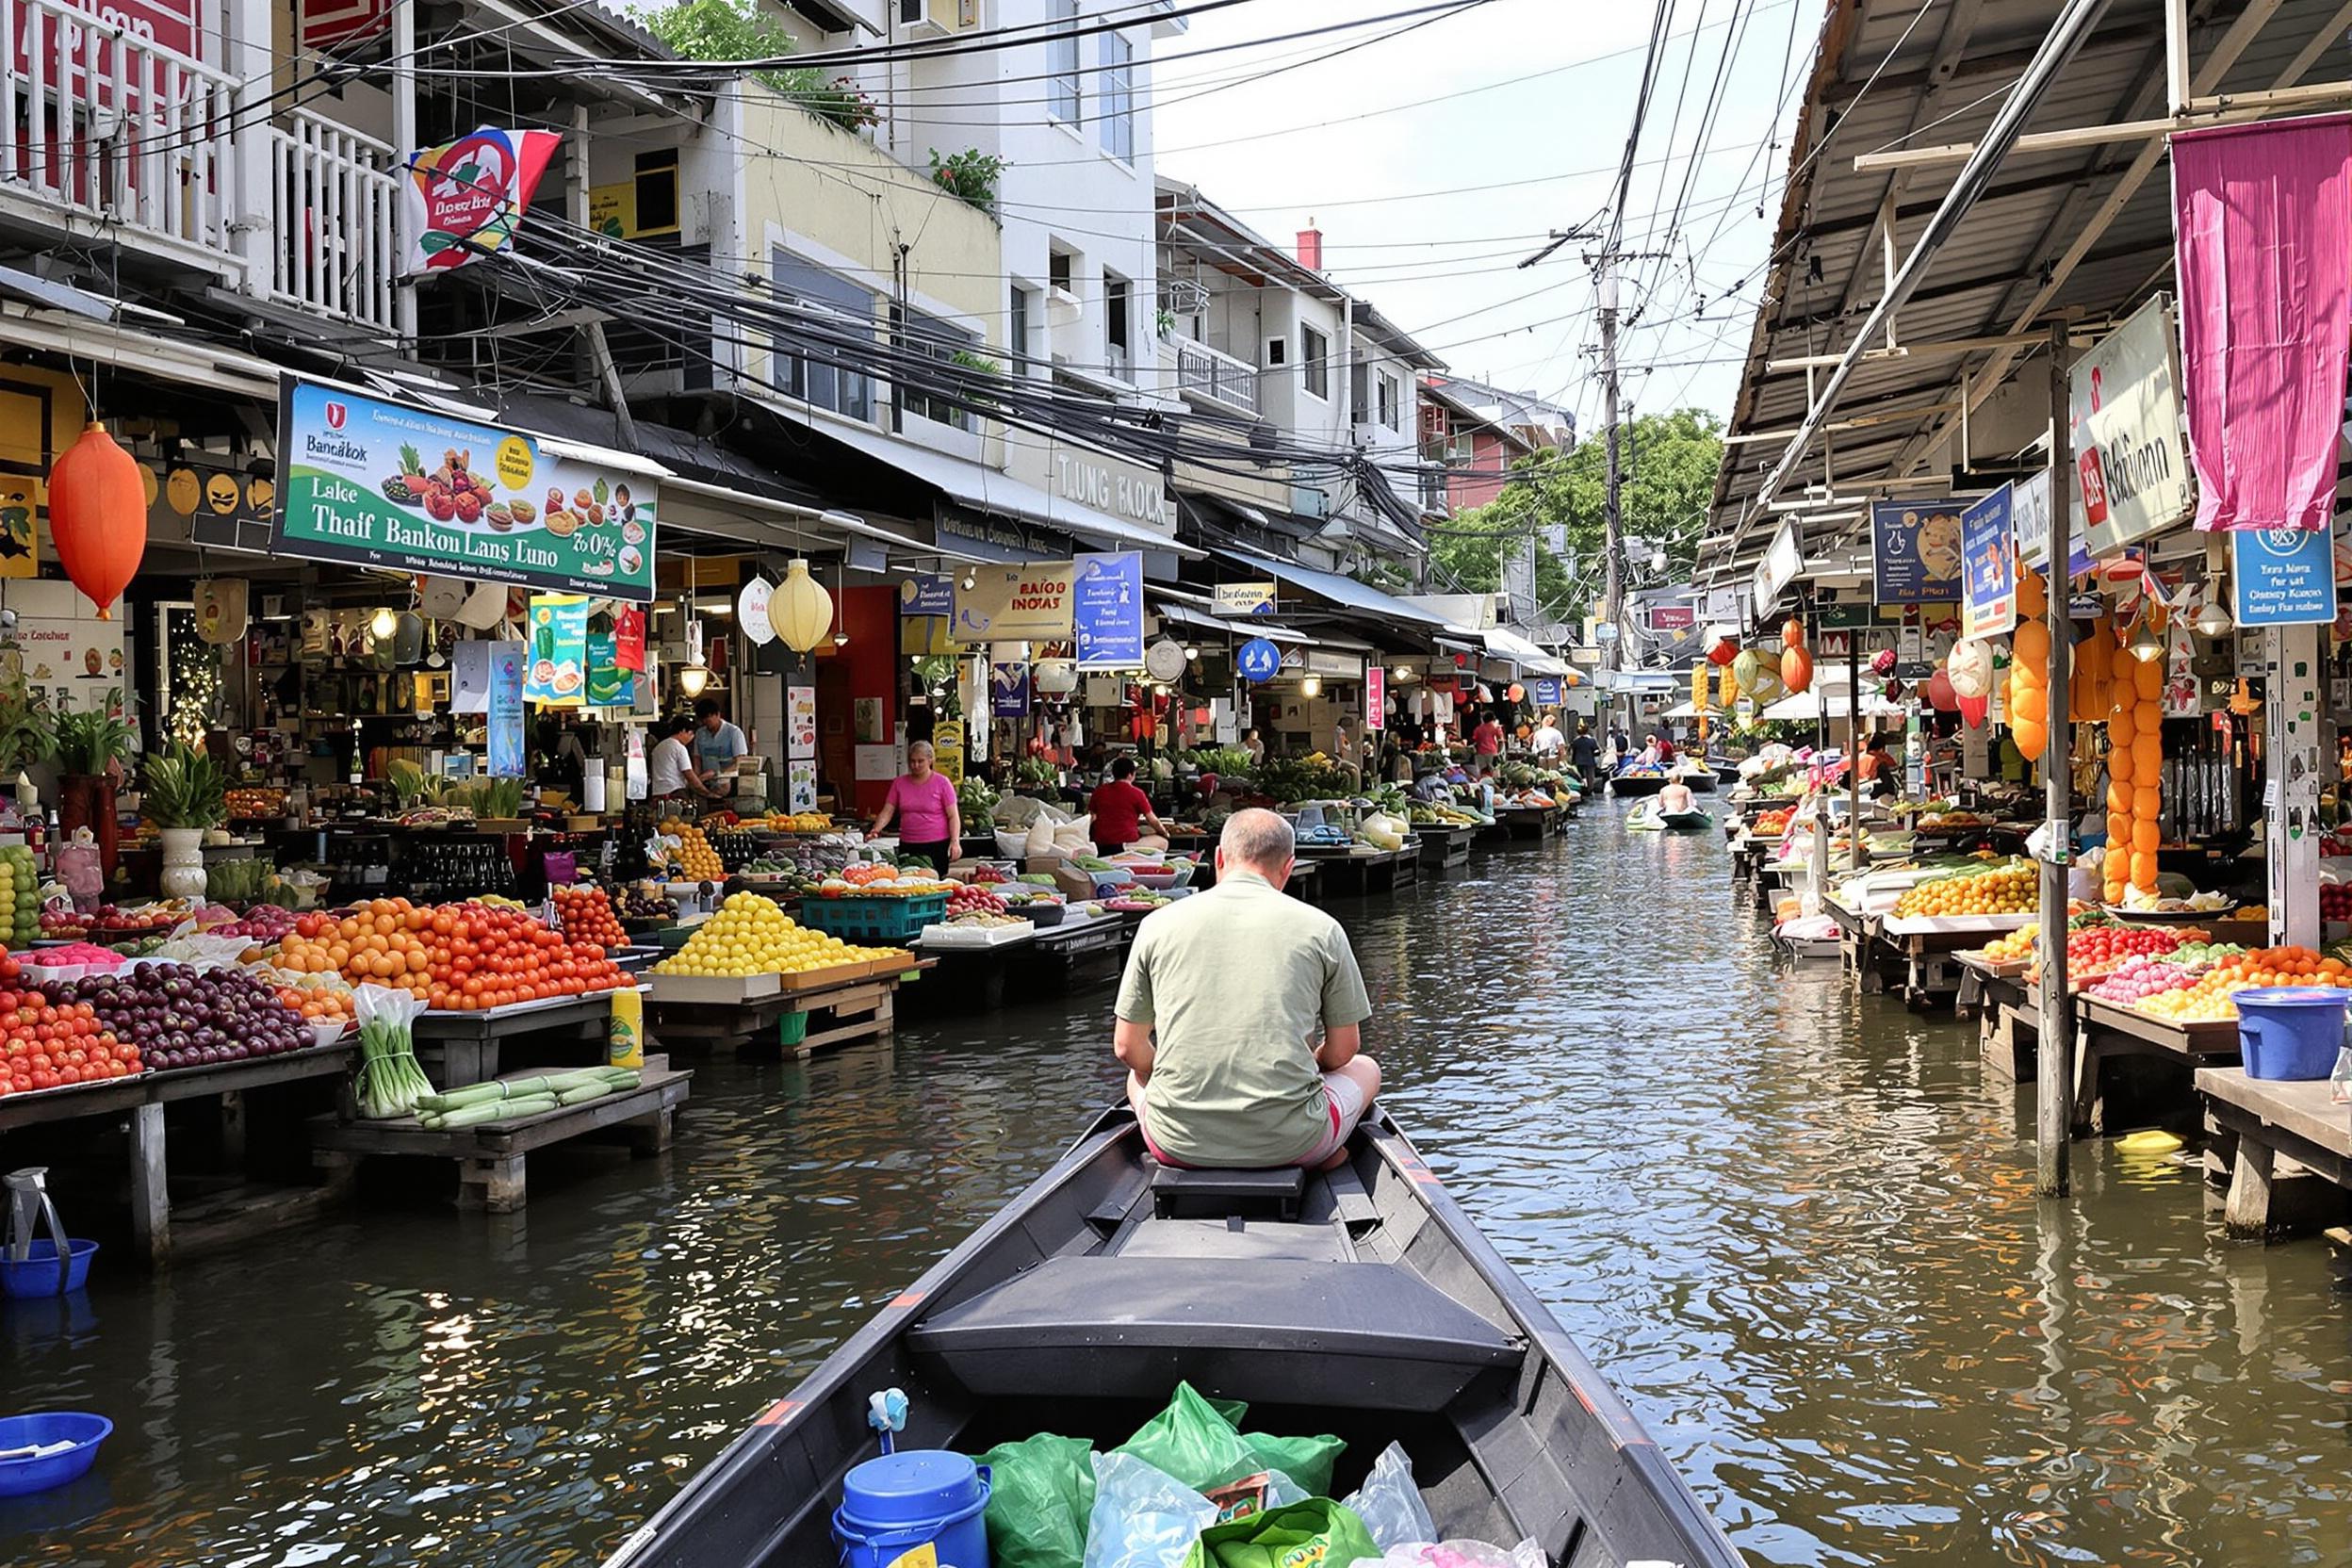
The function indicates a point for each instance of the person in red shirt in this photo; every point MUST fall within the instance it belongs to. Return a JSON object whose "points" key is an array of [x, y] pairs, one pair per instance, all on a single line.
{"points": [[1119, 807], [1487, 739]]}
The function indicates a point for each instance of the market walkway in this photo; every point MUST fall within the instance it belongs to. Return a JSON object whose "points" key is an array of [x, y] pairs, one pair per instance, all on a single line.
{"points": [[1795, 1226]]}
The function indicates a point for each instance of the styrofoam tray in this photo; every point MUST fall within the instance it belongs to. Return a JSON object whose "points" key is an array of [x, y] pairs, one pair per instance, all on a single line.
{"points": [[975, 935], [1919, 925], [711, 987]]}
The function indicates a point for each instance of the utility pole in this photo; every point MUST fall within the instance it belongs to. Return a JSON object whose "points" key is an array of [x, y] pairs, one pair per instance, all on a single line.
{"points": [[1613, 546]]}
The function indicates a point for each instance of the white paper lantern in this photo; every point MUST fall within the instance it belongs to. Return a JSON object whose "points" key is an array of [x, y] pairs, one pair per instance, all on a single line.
{"points": [[1971, 667], [1056, 678], [801, 610]]}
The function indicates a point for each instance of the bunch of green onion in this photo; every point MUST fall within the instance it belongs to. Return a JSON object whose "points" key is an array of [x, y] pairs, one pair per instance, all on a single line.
{"points": [[512, 1099], [390, 1082]]}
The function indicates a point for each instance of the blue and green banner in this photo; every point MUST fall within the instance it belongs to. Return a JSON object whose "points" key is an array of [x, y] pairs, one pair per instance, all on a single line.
{"points": [[376, 482]]}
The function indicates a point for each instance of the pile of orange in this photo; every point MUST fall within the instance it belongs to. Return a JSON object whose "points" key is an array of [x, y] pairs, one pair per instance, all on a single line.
{"points": [[2135, 768], [462, 957], [2012, 889], [2208, 1001], [320, 1003], [381, 941]]}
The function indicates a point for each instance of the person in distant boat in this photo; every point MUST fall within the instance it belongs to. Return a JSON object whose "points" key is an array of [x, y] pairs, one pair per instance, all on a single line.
{"points": [[1240, 1018], [1675, 795], [1663, 746]]}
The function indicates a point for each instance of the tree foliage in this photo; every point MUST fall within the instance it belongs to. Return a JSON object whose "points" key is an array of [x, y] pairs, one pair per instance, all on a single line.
{"points": [[721, 31], [1669, 461]]}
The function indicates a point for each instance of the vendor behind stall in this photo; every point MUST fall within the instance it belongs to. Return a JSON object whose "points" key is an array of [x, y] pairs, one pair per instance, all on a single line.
{"points": [[1118, 808], [670, 766], [923, 804], [717, 743]]}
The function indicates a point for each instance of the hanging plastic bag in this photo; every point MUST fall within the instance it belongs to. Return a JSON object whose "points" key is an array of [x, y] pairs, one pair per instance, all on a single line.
{"points": [[1040, 840], [1317, 1531], [1040, 1491], [388, 1081], [1196, 1440], [1390, 1505], [1142, 1517], [1465, 1554]]}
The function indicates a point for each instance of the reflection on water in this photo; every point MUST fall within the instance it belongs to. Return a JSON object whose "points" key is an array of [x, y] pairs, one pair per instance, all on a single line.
{"points": [[1796, 1226]]}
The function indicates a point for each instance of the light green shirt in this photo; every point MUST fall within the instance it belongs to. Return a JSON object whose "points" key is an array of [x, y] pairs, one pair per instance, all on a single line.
{"points": [[1237, 983]]}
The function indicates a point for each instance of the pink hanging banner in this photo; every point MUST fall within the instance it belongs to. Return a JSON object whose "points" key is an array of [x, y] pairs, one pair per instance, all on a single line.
{"points": [[2263, 219]]}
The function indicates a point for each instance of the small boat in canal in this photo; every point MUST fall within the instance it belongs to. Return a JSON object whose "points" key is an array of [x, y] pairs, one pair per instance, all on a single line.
{"points": [[1638, 781], [1648, 818], [1701, 779], [1359, 1302]]}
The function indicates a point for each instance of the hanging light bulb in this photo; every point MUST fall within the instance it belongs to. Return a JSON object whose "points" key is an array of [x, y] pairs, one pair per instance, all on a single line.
{"points": [[1311, 686], [972, 580], [2146, 646], [384, 623], [693, 678], [2213, 619], [1400, 673], [841, 639], [1191, 653]]}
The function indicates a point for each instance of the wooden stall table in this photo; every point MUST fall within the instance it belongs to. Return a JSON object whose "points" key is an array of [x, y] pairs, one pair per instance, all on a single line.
{"points": [[1925, 951], [1359, 870], [1526, 821], [2273, 1142], [1306, 882], [2111, 1039], [855, 1002], [490, 1156], [1994, 995], [465, 1047], [1443, 846], [226, 1217]]}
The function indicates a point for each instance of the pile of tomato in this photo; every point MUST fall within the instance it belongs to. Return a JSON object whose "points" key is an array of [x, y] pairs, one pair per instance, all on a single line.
{"points": [[462, 957], [587, 917], [43, 1046]]}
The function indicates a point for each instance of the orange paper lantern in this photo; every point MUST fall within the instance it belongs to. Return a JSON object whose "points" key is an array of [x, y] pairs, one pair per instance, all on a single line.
{"points": [[1796, 668], [98, 516]]}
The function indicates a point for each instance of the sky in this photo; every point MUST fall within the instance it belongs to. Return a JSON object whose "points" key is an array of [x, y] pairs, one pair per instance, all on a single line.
{"points": [[1383, 147]]}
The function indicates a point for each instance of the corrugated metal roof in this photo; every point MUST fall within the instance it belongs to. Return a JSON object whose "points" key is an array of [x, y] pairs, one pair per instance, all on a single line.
{"points": [[1896, 73]]}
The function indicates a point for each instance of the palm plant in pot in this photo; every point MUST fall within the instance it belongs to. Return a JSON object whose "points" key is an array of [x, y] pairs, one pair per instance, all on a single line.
{"points": [[91, 746], [186, 795]]}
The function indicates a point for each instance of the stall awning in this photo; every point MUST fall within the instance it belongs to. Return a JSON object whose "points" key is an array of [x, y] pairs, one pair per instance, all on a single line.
{"points": [[1501, 642], [984, 489], [1345, 592], [1243, 628]]}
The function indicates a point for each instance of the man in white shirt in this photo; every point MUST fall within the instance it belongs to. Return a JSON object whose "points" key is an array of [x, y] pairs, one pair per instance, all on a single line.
{"points": [[670, 766], [1549, 743]]}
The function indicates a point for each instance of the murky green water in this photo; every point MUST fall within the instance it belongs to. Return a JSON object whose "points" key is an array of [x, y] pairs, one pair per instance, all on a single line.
{"points": [[1795, 1226]]}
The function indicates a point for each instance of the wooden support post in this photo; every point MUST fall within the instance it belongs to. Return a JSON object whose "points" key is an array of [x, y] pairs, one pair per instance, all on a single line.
{"points": [[2248, 1214], [492, 1184], [2055, 1076], [232, 1129], [151, 1196]]}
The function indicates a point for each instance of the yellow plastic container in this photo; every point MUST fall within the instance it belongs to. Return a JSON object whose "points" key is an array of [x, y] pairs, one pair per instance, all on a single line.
{"points": [[626, 1037]]}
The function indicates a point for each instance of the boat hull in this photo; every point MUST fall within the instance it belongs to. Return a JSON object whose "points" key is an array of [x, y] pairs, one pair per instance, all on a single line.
{"points": [[1374, 1311]]}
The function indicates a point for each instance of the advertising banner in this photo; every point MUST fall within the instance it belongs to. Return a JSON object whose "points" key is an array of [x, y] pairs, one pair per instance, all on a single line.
{"points": [[1106, 611], [557, 672], [1375, 696], [2283, 576], [1544, 690], [628, 640], [1915, 551], [380, 483], [1030, 601], [2125, 408], [927, 594], [947, 750], [1988, 566], [800, 724], [506, 710], [468, 196], [1245, 599], [609, 685], [1008, 691]]}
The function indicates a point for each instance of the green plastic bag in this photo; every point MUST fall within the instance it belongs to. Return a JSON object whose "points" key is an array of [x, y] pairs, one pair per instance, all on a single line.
{"points": [[1317, 1530], [1040, 1491], [1195, 1440]]}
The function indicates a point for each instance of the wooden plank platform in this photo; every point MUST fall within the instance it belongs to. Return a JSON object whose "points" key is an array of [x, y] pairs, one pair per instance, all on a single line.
{"points": [[1441, 848], [1526, 821], [491, 1159], [2131, 1068], [456, 1048], [2279, 1142], [851, 1010], [1362, 871]]}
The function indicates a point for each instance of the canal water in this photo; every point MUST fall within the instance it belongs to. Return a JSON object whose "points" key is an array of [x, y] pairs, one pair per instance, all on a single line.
{"points": [[1795, 1225]]}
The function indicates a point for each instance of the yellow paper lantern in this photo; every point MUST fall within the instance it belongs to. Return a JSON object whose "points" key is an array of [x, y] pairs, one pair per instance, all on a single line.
{"points": [[801, 610]]}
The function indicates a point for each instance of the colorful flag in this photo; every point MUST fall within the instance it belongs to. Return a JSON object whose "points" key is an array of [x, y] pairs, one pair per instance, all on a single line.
{"points": [[2263, 223], [468, 196]]}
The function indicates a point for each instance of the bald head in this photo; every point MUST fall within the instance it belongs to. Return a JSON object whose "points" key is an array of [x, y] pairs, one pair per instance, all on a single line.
{"points": [[1259, 839]]}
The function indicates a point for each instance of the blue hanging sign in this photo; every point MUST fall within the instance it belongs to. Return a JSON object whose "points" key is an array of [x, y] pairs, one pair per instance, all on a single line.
{"points": [[505, 730], [1258, 660], [1106, 611], [1915, 552], [1008, 691], [1988, 566], [927, 594], [1544, 690], [2284, 576]]}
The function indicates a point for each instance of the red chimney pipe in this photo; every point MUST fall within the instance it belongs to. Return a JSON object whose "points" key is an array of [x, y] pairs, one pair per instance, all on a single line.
{"points": [[1311, 247]]}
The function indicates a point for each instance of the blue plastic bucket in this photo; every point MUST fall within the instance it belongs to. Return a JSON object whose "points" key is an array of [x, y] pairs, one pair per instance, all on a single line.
{"points": [[36, 1275], [21, 1477], [2290, 1032], [901, 1502]]}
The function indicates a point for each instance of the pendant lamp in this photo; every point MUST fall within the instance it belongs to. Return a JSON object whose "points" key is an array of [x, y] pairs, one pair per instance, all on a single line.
{"points": [[800, 609], [98, 516]]}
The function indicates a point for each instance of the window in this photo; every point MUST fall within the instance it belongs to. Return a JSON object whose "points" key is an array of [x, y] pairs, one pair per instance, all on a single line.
{"points": [[1388, 402], [1058, 266], [1017, 330], [1360, 392], [1315, 351], [814, 376], [1061, 63], [1117, 295], [926, 337], [1119, 97]]}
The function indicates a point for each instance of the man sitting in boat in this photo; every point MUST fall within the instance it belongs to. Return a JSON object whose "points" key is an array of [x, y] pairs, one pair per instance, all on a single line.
{"points": [[1675, 795], [1240, 1018]]}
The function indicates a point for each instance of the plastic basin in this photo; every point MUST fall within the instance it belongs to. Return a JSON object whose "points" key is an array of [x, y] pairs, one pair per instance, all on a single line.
{"points": [[899, 1504], [22, 1476], [36, 1275], [2290, 1032], [1040, 912]]}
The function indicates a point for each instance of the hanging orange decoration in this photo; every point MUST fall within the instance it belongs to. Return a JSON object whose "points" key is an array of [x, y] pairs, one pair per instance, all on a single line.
{"points": [[1792, 633], [1796, 668], [98, 516]]}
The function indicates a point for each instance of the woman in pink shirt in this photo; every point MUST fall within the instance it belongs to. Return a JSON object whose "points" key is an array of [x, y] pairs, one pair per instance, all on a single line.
{"points": [[922, 803]]}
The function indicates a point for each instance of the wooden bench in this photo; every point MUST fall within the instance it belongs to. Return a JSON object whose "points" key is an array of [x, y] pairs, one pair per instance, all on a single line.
{"points": [[2284, 1151]]}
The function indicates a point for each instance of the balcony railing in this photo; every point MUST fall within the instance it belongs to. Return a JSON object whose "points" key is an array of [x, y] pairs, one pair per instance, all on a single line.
{"points": [[115, 126], [332, 196], [1206, 372]]}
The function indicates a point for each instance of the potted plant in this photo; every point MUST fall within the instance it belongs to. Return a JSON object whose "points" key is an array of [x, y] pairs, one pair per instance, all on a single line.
{"points": [[91, 746], [186, 795]]}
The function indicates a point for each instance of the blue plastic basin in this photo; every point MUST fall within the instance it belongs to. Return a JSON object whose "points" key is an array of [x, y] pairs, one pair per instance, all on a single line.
{"points": [[2290, 1032], [36, 1275], [22, 1476], [900, 1502]]}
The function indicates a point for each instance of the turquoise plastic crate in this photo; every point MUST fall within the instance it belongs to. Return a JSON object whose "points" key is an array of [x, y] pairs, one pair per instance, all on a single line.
{"points": [[868, 918]]}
